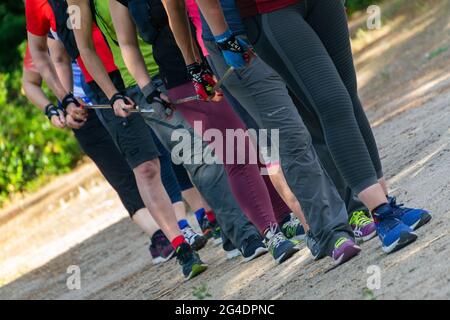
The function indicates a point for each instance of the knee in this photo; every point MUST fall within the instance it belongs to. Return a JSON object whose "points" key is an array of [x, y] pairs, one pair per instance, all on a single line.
{"points": [[149, 170]]}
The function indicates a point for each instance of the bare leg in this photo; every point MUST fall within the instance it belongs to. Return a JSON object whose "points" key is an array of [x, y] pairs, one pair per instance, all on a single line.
{"points": [[180, 210], [279, 182], [143, 219], [155, 197], [373, 196], [383, 184], [195, 199]]}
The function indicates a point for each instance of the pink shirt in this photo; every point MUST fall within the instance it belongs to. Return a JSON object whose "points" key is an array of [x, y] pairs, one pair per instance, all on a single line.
{"points": [[194, 14]]}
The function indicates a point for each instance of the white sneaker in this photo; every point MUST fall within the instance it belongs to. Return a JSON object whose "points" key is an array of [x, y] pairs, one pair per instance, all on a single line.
{"points": [[195, 240]]}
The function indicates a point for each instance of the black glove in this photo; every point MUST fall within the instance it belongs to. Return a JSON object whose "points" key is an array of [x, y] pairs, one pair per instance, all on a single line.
{"points": [[202, 79]]}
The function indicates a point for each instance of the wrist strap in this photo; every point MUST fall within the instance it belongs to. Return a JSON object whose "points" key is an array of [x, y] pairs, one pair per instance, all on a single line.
{"points": [[115, 97], [68, 99], [51, 110]]}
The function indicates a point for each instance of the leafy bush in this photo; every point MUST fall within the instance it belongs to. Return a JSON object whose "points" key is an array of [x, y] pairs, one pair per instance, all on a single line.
{"points": [[30, 148], [12, 33], [354, 5]]}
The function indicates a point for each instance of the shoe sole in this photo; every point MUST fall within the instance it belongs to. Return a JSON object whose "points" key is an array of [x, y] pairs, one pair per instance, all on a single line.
{"points": [[160, 259], [199, 243], [299, 238], [287, 255], [233, 254], [348, 254], [366, 238], [258, 253], [196, 270], [423, 221], [405, 239]]}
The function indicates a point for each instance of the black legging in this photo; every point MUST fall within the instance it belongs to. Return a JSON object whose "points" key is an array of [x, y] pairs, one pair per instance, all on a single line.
{"points": [[308, 45]]}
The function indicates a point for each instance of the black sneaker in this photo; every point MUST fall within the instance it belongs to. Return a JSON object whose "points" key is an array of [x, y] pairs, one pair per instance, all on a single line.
{"points": [[252, 248], [211, 230], [207, 227], [190, 261]]}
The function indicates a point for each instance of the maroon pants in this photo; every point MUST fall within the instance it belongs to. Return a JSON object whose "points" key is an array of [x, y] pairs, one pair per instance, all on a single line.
{"points": [[256, 195]]}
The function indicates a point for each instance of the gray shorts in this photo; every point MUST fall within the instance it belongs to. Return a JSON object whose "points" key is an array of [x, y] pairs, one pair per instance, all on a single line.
{"points": [[131, 135]]}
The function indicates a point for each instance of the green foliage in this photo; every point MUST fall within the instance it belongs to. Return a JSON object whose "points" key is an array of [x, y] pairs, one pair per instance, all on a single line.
{"points": [[12, 33], [368, 294], [355, 5], [201, 292], [30, 148]]}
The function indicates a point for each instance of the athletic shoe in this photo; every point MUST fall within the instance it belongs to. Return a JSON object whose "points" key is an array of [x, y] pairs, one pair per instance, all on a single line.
{"points": [[313, 245], [344, 250], [206, 226], [279, 246], [211, 230], [293, 229], [217, 235], [363, 227], [393, 233], [415, 218], [195, 240], [190, 261], [160, 248], [252, 248], [233, 254]]}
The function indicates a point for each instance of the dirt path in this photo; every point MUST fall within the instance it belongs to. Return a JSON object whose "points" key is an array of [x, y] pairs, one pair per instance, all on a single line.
{"points": [[404, 80]]}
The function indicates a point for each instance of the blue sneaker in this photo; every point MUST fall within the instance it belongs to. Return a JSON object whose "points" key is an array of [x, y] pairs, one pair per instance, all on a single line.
{"points": [[252, 248], [415, 218], [393, 233], [279, 246]]}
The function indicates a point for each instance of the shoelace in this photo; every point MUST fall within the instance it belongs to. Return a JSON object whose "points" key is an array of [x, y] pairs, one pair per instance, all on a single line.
{"points": [[188, 233], [359, 218], [340, 242], [275, 241], [396, 206]]}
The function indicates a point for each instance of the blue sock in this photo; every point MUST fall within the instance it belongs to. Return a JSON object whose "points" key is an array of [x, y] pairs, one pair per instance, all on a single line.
{"points": [[200, 214], [183, 224]]}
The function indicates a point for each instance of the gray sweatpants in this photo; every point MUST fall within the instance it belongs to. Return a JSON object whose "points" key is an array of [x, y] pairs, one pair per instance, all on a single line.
{"points": [[210, 179], [264, 96]]}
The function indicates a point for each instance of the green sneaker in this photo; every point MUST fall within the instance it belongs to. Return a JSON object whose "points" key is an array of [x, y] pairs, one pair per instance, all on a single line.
{"points": [[190, 261], [293, 229], [363, 227]]}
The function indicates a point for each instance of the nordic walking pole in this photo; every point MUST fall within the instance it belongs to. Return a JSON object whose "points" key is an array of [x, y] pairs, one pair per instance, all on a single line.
{"points": [[107, 106], [216, 87]]}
